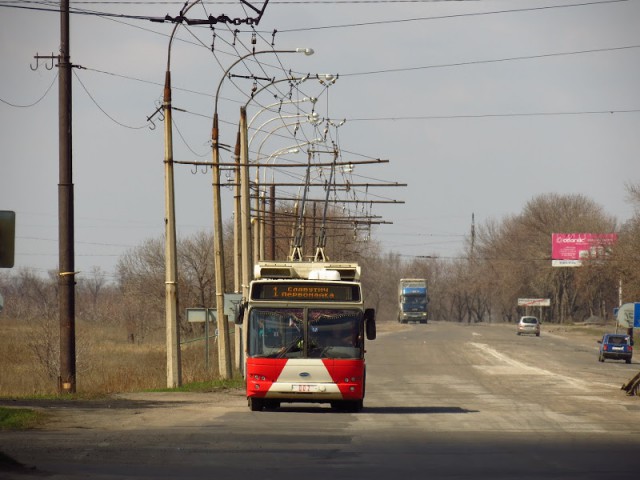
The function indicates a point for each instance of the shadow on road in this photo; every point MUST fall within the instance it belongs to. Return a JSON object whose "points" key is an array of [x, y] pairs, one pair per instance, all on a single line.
{"points": [[387, 410], [409, 410]]}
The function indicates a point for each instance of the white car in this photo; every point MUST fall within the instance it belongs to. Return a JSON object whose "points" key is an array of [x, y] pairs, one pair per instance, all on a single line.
{"points": [[529, 325]]}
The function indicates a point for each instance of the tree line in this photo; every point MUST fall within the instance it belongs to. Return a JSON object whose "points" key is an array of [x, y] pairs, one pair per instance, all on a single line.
{"points": [[502, 260]]}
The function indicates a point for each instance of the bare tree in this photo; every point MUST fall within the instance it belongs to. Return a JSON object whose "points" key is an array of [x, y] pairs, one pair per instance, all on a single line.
{"points": [[141, 284]]}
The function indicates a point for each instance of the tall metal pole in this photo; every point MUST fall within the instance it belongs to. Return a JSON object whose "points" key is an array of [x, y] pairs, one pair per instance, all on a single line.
{"points": [[66, 278]]}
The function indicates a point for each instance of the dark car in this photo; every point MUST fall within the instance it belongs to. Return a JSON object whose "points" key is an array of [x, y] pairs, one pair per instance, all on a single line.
{"points": [[616, 346]]}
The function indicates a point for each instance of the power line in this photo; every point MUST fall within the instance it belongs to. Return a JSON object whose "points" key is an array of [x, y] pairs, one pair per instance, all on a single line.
{"points": [[493, 115], [148, 124], [446, 17], [11, 4], [34, 103], [496, 60]]}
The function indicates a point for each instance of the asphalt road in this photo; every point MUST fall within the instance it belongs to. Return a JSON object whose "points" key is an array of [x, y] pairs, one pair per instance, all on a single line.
{"points": [[444, 401]]}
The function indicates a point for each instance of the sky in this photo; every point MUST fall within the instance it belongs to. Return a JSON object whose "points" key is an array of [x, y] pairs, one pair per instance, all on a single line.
{"points": [[477, 106]]}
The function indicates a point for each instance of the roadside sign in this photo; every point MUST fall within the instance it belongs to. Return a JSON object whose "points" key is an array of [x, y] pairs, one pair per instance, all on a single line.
{"points": [[628, 315], [231, 302], [198, 315], [534, 302]]}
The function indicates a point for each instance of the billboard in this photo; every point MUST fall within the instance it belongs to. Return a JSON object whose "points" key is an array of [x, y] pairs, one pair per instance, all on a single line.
{"points": [[569, 249], [534, 302]]}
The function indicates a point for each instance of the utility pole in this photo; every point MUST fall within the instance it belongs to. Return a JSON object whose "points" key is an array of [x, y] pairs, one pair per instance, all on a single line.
{"points": [[237, 253], [473, 233], [174, 371], [245, 208], [272, 205], [66, 274], [224, 357]]}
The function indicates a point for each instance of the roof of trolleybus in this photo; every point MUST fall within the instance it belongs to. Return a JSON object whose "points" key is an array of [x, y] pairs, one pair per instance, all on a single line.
{"points": [[306, 282]]}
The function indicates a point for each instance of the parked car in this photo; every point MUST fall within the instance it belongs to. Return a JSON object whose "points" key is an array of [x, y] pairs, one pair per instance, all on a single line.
{"points": [[616, 346], [529, 325]]}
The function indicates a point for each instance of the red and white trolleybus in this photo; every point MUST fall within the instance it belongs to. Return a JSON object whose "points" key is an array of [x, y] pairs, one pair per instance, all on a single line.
{"points": [[304, 335]]}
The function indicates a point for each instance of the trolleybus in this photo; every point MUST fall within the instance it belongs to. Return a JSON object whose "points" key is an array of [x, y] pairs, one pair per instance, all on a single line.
{"points": [[304, 335]]}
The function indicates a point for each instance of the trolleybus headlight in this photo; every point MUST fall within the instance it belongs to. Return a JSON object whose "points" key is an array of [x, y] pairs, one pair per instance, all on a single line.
{"points": [[346, 380]]}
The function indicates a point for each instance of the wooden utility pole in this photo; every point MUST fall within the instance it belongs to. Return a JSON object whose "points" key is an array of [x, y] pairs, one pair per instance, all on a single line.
{"points": [[66, 273]]}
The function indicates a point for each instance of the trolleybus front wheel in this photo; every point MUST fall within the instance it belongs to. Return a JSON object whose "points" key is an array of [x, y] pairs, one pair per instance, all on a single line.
{"points": [[255, 404]]}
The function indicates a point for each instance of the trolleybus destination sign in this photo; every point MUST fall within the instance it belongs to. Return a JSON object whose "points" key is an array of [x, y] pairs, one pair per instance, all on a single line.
{"points": [[305, 292]]}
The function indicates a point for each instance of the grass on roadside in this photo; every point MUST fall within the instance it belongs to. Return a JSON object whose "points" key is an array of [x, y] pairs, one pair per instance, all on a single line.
{"points": [[20, 418]]}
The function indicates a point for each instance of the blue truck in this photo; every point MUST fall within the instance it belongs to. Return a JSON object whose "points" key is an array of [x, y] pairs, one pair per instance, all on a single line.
{"points": [[412, 300]]}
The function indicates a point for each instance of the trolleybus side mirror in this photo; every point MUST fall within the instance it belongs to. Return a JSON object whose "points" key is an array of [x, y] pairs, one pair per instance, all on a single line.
{"points": [[239, 314], [370, 323]]}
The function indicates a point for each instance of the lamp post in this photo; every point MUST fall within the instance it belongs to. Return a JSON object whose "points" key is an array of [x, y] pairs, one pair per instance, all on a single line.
{"points": [[314, 119], [237, 220], [237, 243], [259, 248], [174, 373], [224, 357]]}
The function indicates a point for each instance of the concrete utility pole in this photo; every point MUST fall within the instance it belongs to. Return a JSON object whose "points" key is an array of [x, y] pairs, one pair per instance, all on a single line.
{"points": [[66, 274], [237, 253], [174, 363], [245, 206], [174, 372], [224, 357]]}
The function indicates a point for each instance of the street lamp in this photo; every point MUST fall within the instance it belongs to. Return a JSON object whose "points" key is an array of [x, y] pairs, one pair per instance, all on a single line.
{"points": [[224, 357], [260, 209], [313, 118]]}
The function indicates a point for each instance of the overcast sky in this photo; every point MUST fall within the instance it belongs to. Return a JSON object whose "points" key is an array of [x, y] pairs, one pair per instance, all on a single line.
{"points": [[479, 106]]}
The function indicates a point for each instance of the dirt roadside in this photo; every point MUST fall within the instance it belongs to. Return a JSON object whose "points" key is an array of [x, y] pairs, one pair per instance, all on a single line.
{"points": [[116, 413]]}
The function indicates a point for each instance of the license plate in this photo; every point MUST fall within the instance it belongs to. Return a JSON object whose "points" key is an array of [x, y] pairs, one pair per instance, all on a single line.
{"points": [[304, 388], [618, 348]]}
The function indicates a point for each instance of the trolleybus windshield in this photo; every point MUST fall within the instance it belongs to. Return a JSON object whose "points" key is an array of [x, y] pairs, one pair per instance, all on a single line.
{"points": [[305, 333]]}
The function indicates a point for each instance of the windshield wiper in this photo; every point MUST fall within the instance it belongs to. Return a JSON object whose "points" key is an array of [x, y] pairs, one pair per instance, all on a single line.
{"points": [[290, 346]]}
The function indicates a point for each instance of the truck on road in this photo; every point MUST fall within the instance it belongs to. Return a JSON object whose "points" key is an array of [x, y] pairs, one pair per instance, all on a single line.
{"points": [[412, 300]]}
